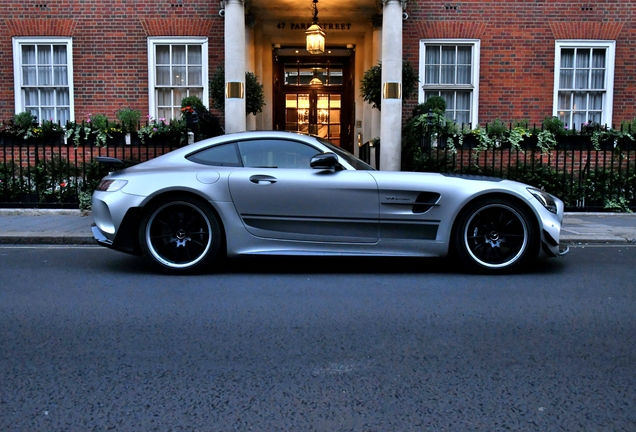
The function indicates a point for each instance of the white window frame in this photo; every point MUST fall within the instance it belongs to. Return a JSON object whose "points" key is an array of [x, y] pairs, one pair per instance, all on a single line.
{"points": [[474, 86], [610, 46], [185, 40], [18, 41]]}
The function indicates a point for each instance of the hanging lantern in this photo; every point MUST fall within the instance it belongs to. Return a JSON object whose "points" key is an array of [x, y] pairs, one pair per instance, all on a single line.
{"points": [[315, 35]]}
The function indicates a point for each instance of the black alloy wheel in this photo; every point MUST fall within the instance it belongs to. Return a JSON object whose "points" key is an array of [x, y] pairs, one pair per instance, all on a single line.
{"points": [[180, 235], [496, 236]]}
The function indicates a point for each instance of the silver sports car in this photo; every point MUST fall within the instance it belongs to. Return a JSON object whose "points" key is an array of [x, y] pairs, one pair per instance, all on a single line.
{"points": [[282, 193]]}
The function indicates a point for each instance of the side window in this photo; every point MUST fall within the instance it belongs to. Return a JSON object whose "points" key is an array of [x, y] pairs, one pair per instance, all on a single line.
{"points": [[276, 154], [223, 155]]}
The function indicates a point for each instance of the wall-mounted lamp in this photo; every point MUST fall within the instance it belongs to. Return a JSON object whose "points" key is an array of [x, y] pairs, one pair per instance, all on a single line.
{"points": [[315, 35]]}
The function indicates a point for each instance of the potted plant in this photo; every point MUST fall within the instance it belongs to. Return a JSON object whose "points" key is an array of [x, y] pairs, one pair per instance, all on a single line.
{"points": [[371, 84], [254, 96], [198, 118], [24, 125], [129, 119]]}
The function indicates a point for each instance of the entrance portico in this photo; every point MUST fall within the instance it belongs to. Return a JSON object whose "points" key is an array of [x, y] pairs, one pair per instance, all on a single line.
{"points": [[269, 36]]}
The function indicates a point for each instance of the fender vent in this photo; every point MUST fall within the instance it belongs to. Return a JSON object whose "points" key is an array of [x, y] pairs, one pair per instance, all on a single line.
{"points": [[425, 201]]}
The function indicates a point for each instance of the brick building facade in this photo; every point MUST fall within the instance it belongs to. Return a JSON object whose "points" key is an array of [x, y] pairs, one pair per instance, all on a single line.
{"points": [[508, 60]]}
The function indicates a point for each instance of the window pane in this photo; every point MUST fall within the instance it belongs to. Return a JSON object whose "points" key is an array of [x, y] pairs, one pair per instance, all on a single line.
{"points": [[194, 55], [59, 54], [462, 117], [596, 101], [448, 75], [179, 94], [63, 115], [62, 97], [48, 113], [598, 79], [432, 74], [582, 79], [449, 97], [163, 54], [47, 97], [31, 97], [60, 75], [178, 54], [464, 55], [44, 54], [44, 75], [164, 113], [567, 58], [164, 97], [28, 54], [433, 54], [582, 58], [566, 78], [29, 75], [196, 92], [448, 55], [579, 119], [464, 75], [195, 75], [598, 58], [594, 117], [335, 75], [463, 101], [163, 75], [178, 76], [565, 101]]}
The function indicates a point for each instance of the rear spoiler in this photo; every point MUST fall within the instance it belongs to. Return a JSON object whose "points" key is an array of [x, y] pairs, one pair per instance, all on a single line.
{"points": [[110, 162]]}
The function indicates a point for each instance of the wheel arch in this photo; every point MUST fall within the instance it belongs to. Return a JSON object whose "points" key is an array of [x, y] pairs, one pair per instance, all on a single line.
{"points": [[127, 234], [511, 197]]}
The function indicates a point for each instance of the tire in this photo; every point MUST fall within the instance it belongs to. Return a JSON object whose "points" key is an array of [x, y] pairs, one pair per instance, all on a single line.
{"points": [[180, 235], [496, 235]]}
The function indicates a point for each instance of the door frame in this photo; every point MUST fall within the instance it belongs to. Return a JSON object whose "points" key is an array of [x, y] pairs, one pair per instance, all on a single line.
{"points": [[347, 111]]}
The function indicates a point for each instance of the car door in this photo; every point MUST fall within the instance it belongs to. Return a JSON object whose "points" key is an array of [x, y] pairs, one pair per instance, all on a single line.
{"points": [[279, 196]]}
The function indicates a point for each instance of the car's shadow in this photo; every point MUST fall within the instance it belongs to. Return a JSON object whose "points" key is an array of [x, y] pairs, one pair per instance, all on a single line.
{"points": [[327, 265]]}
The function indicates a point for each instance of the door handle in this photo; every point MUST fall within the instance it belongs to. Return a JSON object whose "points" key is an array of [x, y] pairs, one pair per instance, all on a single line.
{"points": [[263, 179]]}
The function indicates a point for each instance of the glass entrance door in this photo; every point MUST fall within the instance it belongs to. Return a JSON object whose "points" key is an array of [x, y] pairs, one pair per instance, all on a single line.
{"points": [[315, 113], [314, 95]]}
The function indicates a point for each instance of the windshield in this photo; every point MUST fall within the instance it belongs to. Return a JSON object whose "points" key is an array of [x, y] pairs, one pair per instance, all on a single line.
{"points": [[351, 159]]}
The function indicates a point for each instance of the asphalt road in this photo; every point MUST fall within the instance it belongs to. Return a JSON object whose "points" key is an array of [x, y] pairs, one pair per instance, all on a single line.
{"points": [[91, 339]]}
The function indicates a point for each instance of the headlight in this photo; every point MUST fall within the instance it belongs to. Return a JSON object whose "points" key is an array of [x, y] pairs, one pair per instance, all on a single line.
{"points": [[544, 198], [111, 185]]}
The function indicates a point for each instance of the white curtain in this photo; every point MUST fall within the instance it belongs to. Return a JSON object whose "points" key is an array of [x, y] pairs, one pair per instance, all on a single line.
{"points": [[464, 64], [432, 64], [581, 69]]}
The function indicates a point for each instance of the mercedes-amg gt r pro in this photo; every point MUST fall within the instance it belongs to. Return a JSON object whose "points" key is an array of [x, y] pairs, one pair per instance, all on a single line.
{"points": [[282, 193]]}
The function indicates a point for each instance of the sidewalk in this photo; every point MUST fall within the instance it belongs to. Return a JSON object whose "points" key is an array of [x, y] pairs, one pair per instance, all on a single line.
{"points": [[29, 226]]}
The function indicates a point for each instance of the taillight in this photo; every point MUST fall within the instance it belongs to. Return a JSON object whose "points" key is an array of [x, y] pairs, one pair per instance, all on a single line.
{"points": [[111, 185]]}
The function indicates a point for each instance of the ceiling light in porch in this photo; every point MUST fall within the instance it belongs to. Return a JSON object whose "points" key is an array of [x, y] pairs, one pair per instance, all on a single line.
{"points": [[315, 35]]}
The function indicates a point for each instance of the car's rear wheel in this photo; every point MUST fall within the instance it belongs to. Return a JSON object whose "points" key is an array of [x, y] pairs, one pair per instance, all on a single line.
{"points": [[180, 235], [496, 235]]}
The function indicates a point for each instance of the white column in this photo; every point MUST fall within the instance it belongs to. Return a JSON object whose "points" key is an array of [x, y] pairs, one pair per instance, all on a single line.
{"points": [[375, 113], [391, 116], [235, 64]]}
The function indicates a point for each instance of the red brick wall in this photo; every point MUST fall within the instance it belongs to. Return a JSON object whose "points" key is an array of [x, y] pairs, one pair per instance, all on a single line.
{"points": [[110, 59], [517, 48]]}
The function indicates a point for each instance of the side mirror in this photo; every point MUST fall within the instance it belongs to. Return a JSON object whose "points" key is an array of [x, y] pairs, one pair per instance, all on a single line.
{"points": [[324, 161]]}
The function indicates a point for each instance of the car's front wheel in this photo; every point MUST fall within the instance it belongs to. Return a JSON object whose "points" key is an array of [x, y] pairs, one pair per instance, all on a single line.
{"points": [[495, 235], [180, 235]]}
